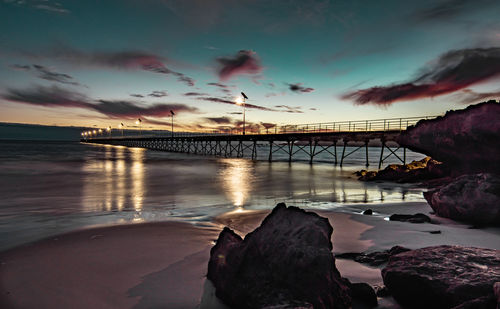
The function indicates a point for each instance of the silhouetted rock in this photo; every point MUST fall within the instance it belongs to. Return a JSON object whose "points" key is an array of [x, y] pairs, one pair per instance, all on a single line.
{"points": [[471, 198], [415, 171], [382, 291], [416, 218], [287, 261], [373, 258], [467, 140], [364, 293], [496, 290], [368, 212], [442, 276]]}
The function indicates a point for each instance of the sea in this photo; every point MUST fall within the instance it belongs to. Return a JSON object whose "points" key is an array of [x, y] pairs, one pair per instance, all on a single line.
{"points": [[53, 187]]}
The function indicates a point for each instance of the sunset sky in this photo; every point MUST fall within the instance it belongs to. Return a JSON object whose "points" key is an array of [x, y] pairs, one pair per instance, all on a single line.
{"points": [[87, 63]]}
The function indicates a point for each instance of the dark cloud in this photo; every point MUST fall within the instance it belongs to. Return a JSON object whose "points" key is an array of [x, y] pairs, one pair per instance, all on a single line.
{"points": [[290, 109], [158, 94], [313, 109], [298, 88], [267, 125], [247, 105], [125, 60], [59, 97], [447, 9], [244, 62], [46, 73], [468, 96], [219, 120], [218, 85], [452, 71], [235, 113], [43, 5], [20, 67], [136, 95], [194, 94]]}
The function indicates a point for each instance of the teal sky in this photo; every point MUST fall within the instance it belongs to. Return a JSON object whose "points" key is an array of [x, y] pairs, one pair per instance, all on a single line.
{"points": [[87, 63]]}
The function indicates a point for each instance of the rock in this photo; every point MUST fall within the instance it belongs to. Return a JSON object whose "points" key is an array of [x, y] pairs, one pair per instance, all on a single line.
{"points": [[465, 139], [364, 293], [382, 291], [442, 276], [496, 290], [416, 218], [284, 262], [435, 232], [479, 303], [470, 198], [415, 171], [368, 212], [374, 258]]}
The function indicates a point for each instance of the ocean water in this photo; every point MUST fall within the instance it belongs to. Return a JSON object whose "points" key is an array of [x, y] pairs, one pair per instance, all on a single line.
{"points": [[47, 188]]}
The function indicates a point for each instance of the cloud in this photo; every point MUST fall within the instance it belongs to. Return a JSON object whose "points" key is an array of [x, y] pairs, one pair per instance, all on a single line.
{"points": [[124, 60], [452, 71], [247, 105], [58, 97], [46, 73], [218, 85], [468, 96], [136, 95], [448, 9], [219, 120], [244, 62], [193, 94], [298, 88], [290, 109], [158, 94], [43, 5]]}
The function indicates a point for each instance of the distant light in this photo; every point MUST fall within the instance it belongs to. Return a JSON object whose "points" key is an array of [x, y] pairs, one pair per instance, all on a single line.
{"points": [[94, 132], [100, 130], [239, 100], [108, 129]]}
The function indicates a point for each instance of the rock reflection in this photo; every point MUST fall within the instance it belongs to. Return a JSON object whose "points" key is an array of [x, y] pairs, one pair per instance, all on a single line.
{"points": [[237, 180]]}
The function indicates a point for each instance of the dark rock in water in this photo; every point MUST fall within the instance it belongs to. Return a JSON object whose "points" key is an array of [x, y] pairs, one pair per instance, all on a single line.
{"points": [[284, 262], [470, 198], [368, 212], [465, 139], [442, 276], [364, 293], [484, 302], [382, 291], [435, 232], [416, 218], [373, 258], [415, 171], [496, 290]]}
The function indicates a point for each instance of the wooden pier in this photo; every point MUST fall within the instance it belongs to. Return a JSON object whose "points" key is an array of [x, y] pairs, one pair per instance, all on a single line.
{"points": [[311, 139]]}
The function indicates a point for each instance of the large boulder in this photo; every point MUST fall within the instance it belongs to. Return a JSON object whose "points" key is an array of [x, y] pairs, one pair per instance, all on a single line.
{"points": [[420, 170], [285, 263], [467, 140], [443, 277], [470, 198]]}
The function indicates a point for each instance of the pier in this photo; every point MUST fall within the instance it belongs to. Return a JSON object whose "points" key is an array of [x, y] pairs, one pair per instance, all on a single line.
{"points": [[310, 139]]}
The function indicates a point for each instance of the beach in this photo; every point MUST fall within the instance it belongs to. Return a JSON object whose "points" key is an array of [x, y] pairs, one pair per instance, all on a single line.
{"points": [[163, 265]]}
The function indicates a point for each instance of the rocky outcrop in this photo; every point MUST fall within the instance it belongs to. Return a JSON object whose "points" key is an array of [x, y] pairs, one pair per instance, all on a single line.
{"points": [[443, 277], [415, 171], [286, 262], [470, 198], [467, 140], [416, 218], [373, 258]]}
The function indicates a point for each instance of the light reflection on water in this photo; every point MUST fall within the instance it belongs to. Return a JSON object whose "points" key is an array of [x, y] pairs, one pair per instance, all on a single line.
{"points": [[61, 187]]}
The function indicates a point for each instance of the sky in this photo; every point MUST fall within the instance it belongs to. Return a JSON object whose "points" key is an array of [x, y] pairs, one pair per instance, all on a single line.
{"points": [[101, 63]]}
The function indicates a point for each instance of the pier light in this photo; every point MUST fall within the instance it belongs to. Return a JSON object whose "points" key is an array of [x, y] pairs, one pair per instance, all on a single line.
{"points": [[241, 101], [94, 132], [100, 131]]}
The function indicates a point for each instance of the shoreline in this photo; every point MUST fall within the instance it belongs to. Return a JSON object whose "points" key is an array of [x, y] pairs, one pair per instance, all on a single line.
{"points": [[144, 265]]}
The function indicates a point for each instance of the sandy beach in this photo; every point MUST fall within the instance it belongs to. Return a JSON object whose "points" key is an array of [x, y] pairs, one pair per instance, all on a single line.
{"points": [[163, 265]]}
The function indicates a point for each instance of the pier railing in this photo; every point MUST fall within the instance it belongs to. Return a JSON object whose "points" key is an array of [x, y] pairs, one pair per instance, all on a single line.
{"points": [[376, 125]]}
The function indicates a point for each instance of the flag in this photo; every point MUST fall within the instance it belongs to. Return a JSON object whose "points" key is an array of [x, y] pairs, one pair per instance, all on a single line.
{"points": [[172, 112], [139, 119]]}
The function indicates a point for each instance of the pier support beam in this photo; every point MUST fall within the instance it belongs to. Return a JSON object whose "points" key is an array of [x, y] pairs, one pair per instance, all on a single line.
{"points": [[270, 159]]}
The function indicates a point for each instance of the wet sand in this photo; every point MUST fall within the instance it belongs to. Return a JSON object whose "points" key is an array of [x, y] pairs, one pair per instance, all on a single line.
{"points": [[163, 265]]}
